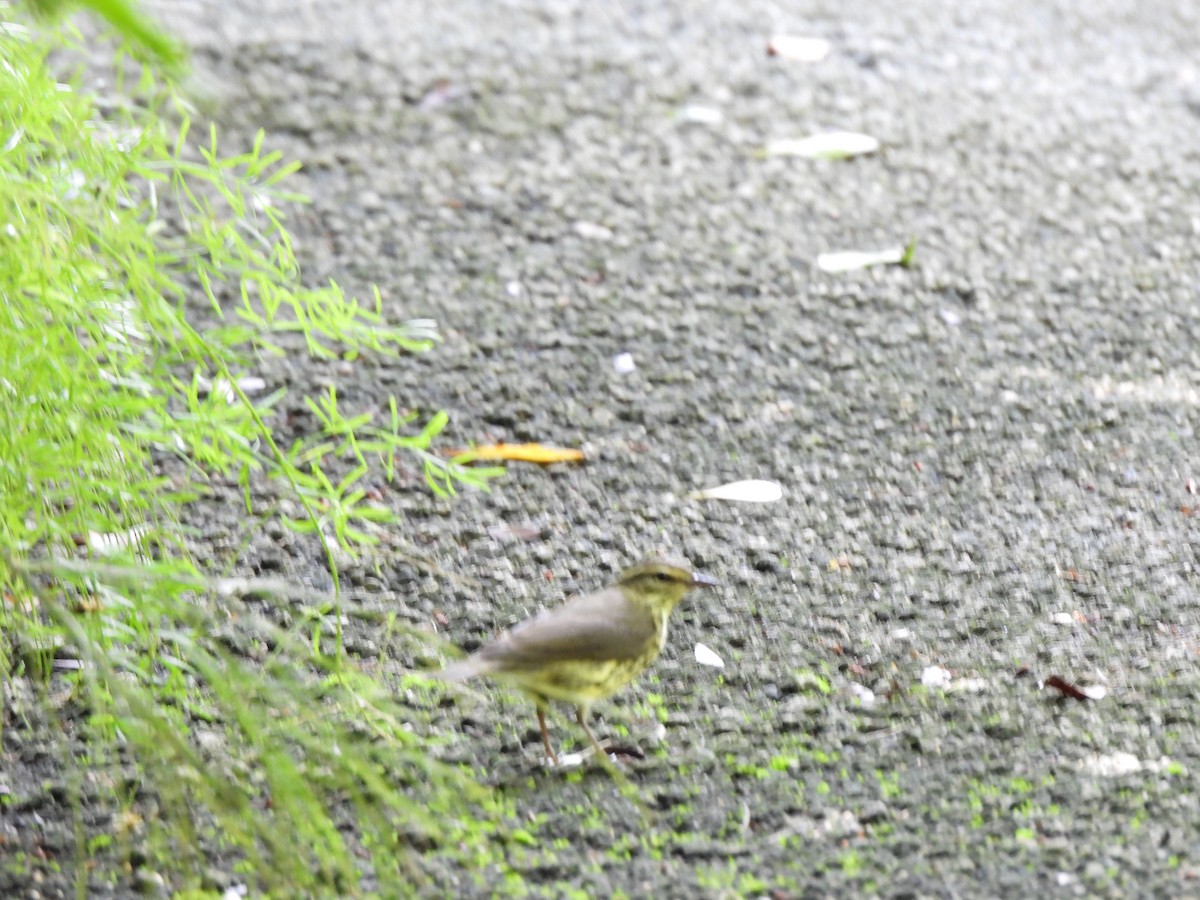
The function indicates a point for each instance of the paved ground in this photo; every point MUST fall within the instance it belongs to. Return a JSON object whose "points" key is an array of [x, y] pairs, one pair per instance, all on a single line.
{"points": [[987, 458]]}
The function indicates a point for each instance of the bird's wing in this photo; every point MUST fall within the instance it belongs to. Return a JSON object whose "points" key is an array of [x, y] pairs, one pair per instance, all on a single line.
{"points": [[600, 626]]}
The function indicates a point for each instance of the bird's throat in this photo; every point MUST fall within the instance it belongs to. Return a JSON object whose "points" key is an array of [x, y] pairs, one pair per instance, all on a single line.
{"points": [[661, 616]]}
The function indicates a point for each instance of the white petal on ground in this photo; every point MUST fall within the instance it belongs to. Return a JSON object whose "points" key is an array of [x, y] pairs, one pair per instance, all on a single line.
{"points": [[936, 676], [590, 231], [1110, 765], [752, 491], [657, 732], [797, 49], [421, 330], [623, 363], [219, 387], [850, 260], [706, 657], [15, 137], [865, 695], [967, 685], [114, 542], [696, 114], [828, 145]]}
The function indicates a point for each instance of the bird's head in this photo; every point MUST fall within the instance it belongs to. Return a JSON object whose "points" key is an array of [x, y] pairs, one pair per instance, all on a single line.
{"points": [[661, 583]]}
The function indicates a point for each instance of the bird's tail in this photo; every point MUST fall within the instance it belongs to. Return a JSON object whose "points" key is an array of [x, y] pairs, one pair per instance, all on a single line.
{"points": [[461, 670]]}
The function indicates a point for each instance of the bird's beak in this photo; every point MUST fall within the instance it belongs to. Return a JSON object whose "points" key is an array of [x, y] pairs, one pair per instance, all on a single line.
{"points": [[701, 580]]}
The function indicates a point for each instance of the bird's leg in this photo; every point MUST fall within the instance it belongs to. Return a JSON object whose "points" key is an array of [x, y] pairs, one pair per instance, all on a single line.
{"points": [[550, 754], [581, 713]]}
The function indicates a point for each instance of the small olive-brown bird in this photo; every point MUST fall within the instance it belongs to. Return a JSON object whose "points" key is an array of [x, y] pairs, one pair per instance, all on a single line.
{"points": [[588, 648]]}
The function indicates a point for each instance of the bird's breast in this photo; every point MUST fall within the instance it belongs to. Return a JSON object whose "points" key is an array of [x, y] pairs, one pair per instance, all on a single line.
{"points": [[580, 681]]}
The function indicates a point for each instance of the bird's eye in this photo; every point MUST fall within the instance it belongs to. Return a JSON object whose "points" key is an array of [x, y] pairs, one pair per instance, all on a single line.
{"points": [[662, 576]]}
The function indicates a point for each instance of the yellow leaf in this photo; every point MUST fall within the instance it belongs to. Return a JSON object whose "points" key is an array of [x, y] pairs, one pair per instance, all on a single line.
{"points": [[534, 453]]}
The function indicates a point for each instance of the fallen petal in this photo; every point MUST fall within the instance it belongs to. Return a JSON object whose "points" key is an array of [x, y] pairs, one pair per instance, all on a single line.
{"points": [[592, 232], [829, 145], [443, 93], [1111, 765], [508, 533], [752, 491], [114, 542], [865, 695], [935, 676], [850, 260], [967, 685], [706, 657], [797, 49], [623, 363], [699, 115]]}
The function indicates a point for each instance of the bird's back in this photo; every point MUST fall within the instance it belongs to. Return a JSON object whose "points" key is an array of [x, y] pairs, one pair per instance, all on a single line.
{"points": [[583, 646]]}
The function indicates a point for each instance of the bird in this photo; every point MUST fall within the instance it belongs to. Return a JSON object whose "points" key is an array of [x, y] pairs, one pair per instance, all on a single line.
{"points": [[588, 648]]}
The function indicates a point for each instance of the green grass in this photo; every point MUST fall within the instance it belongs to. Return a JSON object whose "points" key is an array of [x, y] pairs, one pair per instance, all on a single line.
{"points": [[121, 405]]}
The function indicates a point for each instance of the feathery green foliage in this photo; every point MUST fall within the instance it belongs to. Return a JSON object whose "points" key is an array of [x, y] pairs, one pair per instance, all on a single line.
{"points": [[117, 408]]}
